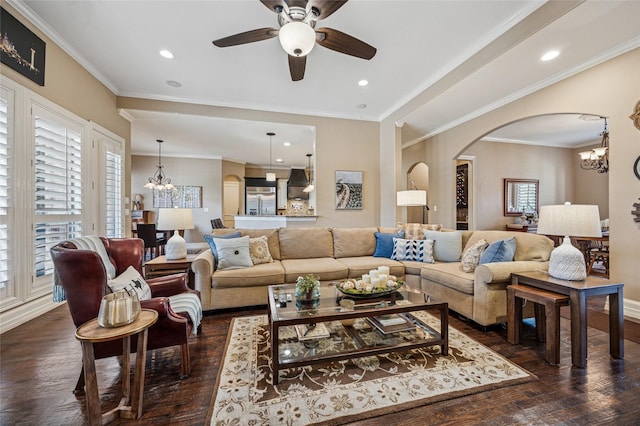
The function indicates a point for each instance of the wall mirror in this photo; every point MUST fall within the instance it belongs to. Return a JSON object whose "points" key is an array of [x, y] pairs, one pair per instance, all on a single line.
{"points": [[521, 196]]}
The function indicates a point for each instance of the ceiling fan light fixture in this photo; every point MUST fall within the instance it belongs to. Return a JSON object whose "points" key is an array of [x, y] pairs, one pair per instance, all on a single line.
{"points": [[297, 38]]}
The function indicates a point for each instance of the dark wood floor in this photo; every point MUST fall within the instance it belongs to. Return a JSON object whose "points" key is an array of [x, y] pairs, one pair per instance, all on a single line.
{"points": [[40, 361]]}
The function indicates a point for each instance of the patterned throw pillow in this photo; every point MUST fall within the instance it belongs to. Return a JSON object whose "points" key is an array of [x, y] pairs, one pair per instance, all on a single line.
{"points": [[131, 278], [259, 250], [471, 256], [417, 250], [415, 231]]}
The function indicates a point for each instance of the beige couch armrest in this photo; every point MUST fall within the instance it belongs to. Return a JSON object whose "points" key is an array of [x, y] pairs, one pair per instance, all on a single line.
{"points": [[501, 271], [202, 267]]}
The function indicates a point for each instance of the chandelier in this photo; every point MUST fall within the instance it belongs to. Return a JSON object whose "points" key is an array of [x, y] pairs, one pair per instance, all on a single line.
{"points": [[159, 181], [598, 158]]}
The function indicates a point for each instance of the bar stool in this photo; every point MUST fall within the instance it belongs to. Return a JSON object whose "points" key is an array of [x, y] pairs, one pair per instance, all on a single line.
{"points": [[547, 314]]}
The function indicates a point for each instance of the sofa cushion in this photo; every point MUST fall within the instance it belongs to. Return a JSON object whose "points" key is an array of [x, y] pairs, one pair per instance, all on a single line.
{"points": [[360, 265], [415, 231], [326, 268], [384, 243], [499, 251], [259, 250], [447, 246], [351, 242], [528, 246], [233, 253], [306, 243], [210, 239], [418, 250], [258, 275], [471, 256], [450, 275]]}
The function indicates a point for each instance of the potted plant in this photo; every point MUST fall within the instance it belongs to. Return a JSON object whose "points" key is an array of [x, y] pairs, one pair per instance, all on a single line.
{"points": [[307, 288]]}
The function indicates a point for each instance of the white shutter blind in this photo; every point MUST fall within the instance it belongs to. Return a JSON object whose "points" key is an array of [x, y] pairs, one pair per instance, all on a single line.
{"points": [[6, 286], [58, 188], [114, 223]]}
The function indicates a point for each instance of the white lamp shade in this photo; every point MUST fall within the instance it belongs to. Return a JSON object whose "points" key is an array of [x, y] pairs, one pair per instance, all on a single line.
{"points": [[175, 219], [574, 220], [412, 198], [297, 38]]}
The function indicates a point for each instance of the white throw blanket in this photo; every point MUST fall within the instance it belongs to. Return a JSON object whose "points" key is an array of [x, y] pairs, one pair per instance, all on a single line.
{"points": [[189, 303], [88, 242]]}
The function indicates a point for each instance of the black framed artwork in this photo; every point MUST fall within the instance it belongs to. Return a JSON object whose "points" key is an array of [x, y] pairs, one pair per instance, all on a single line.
{"points": [[21, 49]]}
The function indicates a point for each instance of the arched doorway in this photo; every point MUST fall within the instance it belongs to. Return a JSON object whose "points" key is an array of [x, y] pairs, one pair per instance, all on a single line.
{"points": [[231, 200], [418, 178]]}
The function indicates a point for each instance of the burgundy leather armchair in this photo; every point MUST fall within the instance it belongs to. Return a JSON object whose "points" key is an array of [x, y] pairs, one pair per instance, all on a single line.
{"points": [[83, 277]]}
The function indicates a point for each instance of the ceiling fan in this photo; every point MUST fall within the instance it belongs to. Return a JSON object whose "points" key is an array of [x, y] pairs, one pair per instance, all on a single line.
{"points": [[297, 33]]}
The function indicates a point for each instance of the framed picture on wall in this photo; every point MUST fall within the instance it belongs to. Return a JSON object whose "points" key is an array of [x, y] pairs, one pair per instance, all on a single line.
{"points": [[348, 190], [21, 49], [184, 197]]}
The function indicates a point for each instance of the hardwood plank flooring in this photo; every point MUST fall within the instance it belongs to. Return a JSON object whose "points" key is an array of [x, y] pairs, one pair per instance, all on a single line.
{"points": [[41, 359]]}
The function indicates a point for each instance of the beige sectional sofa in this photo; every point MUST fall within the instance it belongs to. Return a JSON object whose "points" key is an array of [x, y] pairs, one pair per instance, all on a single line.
{"points": [[334, 254]]}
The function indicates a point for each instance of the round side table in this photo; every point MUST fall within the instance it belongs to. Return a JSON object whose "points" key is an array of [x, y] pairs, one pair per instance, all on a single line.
{"points": [[91, 332]]}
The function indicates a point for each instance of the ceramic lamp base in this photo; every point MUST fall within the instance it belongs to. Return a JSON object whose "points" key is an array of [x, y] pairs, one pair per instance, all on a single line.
{"points": [[176, 247], [567, 262]]}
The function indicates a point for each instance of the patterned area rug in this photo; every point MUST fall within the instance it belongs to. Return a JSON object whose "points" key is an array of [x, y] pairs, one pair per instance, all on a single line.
{"points": [[335, 393]]}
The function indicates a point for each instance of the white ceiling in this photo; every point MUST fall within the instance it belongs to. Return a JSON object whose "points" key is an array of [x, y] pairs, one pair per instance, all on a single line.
{"points": [[438, 63]]}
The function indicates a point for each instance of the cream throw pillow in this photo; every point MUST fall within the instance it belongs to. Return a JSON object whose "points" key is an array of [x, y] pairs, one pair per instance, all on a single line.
{"points": [[233, 253], [259, 250], [471, 256]]}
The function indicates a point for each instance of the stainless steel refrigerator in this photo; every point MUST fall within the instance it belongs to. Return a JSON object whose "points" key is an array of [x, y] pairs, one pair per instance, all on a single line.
{"points": [[260, 201]]}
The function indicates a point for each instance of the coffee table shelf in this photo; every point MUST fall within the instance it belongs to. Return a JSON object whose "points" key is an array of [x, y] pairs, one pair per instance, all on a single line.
{"points": [[351, 341]]}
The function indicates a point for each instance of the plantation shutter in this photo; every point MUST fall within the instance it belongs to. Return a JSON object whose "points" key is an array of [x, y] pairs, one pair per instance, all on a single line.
{"points": [[6, 117], [114, 222], [58, 187]]}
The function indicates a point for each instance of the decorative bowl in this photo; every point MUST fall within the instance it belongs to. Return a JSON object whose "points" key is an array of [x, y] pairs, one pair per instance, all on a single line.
{"points": [[362, 293]]}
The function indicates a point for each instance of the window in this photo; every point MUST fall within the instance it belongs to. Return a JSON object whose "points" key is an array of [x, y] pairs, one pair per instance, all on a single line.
{"points": [[6, 139], [113, 199], [58, 185]]}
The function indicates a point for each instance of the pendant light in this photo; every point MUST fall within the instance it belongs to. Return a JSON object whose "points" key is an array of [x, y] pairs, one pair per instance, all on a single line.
{"points": [[598, 158], [159, 181], [271, 176], [310, 187]]}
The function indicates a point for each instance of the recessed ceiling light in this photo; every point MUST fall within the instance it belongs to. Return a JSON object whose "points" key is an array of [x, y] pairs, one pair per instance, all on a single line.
{"points": [[287, 144], [552, 54], [166, 54], [361, 106], [279, 160], [363, 83], [174, 83]]}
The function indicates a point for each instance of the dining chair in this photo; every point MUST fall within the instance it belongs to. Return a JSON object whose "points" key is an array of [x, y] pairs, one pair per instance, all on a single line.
{"points": [[149, 234], [217, 223]]}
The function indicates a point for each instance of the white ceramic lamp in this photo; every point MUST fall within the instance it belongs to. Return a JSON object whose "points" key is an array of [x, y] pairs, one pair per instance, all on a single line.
{"points": [[176, 219], [579, 220]]}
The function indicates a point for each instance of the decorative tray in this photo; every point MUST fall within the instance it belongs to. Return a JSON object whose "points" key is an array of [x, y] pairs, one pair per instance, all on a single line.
{"points": [[365, 294]]}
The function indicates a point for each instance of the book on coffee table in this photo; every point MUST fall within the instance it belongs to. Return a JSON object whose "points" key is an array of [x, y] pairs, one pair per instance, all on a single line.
{"points": [[309, 332], [391, 323]]}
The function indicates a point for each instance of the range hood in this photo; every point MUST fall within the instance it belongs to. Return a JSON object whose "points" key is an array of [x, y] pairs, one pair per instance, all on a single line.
{"points": [[297, 182], [298, 177]]}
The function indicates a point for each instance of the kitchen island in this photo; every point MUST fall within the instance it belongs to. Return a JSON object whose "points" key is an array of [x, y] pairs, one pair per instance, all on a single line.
{"points": [[273, 221]]}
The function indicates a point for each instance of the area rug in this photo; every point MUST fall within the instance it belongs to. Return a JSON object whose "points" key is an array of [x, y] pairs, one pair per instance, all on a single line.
{"points": [[338, 392]]}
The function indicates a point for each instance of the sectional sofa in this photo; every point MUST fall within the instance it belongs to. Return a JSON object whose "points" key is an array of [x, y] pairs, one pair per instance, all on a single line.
{"points": [[334, 254]]}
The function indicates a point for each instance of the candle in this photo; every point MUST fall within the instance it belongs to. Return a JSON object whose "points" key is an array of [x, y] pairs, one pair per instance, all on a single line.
{"points": [[375, 282], [374, 273], [383, 270], [383, 278], [366, 278]]}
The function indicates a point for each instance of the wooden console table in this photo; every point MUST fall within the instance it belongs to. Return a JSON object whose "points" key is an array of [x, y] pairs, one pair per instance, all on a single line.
{"points": [[160, 266], [91, 332], [578, 291]]}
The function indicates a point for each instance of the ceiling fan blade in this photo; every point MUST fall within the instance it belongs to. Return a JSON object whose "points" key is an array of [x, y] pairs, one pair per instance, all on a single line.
{"points": [[297, 65], [326, 7], [344, 43], [272, 4], [247, 37]]}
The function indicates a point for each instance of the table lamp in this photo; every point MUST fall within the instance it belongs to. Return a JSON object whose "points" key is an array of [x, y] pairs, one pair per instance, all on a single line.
{"points": [[569, 220], [178, 220]]}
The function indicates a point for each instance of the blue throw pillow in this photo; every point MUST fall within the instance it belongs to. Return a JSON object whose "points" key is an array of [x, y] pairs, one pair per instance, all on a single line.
{"points": [[210, 239], [499, 251], [384, 243]]}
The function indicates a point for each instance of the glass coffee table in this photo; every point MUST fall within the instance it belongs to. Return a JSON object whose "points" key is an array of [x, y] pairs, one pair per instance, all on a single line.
{"points": [[340, 326]]}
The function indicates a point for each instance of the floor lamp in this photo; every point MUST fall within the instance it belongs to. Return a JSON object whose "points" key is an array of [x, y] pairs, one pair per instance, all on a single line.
{"points": [[412, 198]]}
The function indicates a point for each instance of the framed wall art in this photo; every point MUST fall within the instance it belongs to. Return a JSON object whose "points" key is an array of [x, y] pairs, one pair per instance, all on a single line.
{"points": [[348, 190], [184, 197], [20, 49]]}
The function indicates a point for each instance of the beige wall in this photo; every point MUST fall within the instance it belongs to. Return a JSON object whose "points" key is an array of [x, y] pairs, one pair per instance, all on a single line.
{"points": [[340, 145], [608, 89]]}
